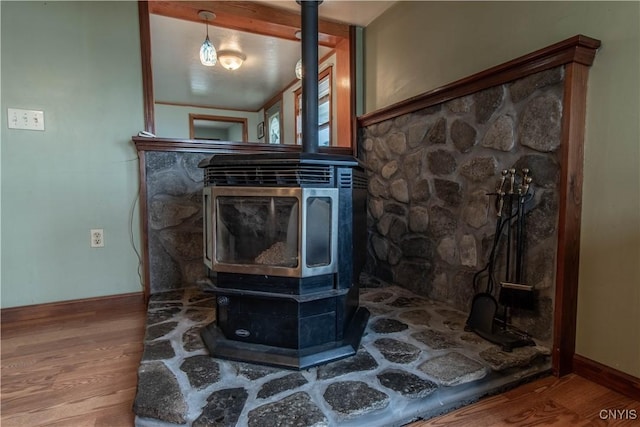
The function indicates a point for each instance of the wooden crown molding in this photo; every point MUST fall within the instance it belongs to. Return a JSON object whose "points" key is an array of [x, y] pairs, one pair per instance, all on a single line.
{"points": [[578, 49]]}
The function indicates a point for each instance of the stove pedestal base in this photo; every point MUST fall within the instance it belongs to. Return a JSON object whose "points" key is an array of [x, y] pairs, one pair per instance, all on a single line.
{"points": [[298, 359]]}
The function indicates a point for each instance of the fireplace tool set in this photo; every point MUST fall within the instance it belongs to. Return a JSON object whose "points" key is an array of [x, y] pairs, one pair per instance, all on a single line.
{"points": [[490, 318]]}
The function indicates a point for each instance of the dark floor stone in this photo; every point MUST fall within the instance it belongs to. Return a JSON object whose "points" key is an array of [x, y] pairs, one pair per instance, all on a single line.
{"points": [[473, 338], [199, 315], [253, 372], [288, 382], [416, 317], [454, 325], [161, 315], [191, 340], [361, 361], [452, 314], [387, 326], [159, 330], [159, 394], [407, 384], [407, 302], [196, 295], [453, 369], [205, 303], [397, 351], [519, 357], [296, 410], [201, 370], [376, 296], [435, 339], [354, 398], [158, 350], [223, 408], [377, 311], [166, 296]]}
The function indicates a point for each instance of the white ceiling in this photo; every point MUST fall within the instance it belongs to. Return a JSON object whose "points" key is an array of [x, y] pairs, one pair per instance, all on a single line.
{"points": [[179, 77], [354, 12]]}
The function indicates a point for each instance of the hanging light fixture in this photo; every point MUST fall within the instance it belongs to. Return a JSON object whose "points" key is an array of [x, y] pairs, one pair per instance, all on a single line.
{"points": [[208, 54], [299, 69], [231, 59]]}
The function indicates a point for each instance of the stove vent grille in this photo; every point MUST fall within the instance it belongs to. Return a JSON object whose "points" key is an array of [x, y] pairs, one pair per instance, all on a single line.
{"points": [[300, 175]]}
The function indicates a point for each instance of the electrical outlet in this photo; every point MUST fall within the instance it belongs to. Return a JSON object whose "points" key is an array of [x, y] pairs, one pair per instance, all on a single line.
{"points": [[97, 238]]}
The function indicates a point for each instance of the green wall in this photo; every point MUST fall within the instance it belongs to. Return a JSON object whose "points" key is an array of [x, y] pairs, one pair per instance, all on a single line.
{"points": [[79, 62], [172, 121], [418, 46]]}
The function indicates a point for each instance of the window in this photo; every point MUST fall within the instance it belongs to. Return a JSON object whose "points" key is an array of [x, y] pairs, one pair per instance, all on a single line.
{"points": [[324, 109], [272, 115]]}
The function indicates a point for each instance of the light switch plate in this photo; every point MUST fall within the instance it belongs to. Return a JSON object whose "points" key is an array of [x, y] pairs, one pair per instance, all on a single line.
{"points": [[25, 119]]}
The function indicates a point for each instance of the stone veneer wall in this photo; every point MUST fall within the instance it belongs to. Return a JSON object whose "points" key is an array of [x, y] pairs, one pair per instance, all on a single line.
{"points": [[431, 223], [174, 212]]}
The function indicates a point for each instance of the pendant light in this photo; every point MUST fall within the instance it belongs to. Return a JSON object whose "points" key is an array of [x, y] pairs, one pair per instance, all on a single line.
{"points": [[208, 54], [299, 69]]}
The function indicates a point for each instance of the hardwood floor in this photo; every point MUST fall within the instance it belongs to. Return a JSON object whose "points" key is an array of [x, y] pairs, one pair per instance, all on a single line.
{"points": [[551, 401], [79, 369]]}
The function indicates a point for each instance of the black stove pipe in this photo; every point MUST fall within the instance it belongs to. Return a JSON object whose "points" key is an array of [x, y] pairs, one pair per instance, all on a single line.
{"points": [[309, 37]]}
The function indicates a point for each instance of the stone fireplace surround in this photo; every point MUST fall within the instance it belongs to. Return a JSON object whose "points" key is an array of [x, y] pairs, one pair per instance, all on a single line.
{"points": [[555, 77]]}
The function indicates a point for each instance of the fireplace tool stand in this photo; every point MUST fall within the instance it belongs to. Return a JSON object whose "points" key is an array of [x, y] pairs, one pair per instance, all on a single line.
{"points": [[488, 317]]}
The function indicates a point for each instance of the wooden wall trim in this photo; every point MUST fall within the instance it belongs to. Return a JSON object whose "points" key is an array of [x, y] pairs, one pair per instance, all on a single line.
{"points": [[54, 309], [147, 71], [569, 216], [199, 146], [578, 49], [611, 378]]}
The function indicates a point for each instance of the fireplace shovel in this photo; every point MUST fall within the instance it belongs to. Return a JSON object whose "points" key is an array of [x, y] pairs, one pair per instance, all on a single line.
{"points": [[484, 306]]}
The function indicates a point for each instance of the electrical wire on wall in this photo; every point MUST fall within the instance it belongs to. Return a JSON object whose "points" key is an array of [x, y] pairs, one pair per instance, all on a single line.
{"points": [[132, 239]]}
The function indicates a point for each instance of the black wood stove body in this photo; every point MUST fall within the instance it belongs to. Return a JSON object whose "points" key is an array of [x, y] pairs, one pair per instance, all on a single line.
{"points": [[285, 237]]}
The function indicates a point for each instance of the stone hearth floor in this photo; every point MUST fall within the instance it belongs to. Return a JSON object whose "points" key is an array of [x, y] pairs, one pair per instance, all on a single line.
{"points": [[415, 361]]}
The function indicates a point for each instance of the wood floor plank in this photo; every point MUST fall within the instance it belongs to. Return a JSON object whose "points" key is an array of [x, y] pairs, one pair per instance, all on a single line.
{"points": [[570, 400]]}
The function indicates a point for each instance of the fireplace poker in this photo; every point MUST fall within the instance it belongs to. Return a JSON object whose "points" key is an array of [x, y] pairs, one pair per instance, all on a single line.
{"points": [[510, 193]]}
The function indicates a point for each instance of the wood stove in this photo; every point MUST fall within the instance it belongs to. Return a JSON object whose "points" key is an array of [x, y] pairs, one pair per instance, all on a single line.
{"points": [[285, 236]]}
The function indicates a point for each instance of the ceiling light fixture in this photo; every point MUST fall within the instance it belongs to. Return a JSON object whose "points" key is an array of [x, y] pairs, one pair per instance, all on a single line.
{"points": [[231, 59], [208, 54]]}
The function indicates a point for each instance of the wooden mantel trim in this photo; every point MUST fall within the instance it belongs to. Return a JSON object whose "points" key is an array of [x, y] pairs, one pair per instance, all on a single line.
{"points": [[578, 49], [201, 146]]}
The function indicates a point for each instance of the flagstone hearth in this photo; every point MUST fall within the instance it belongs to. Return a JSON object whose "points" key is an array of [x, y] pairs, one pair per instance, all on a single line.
{"points": [[415, 361]]}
